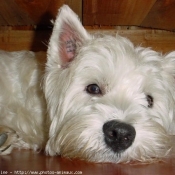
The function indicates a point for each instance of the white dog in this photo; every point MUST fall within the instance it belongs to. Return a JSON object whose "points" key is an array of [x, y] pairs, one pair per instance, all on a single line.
{"points": [[107, 101]]}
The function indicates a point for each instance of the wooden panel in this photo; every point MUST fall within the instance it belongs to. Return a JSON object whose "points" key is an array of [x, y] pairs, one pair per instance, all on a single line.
{"points": [[158, 40], [112, 12], [33, 12], [162, 15], [12, 14], [13, 40], [163, 41], [157, 14], [44, 11], [2, 20], [36, 9]]}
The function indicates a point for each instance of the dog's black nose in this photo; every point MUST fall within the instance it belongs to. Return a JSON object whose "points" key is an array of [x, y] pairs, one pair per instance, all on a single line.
{"points": [[118, 136]]}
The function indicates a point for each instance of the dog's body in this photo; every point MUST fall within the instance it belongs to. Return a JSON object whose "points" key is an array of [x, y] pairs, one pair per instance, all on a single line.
{"points": [[22, 103], [107, 101]]}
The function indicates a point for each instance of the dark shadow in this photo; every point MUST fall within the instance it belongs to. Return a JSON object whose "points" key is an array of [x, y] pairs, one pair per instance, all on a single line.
{"points": [[42, 33]]}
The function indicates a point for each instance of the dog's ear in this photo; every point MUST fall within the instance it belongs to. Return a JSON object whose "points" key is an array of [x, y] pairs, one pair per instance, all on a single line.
{"points": [[68, 34]]}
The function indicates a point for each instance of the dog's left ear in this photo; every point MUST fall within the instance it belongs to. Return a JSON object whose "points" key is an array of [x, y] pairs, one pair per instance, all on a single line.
{"points": [[68, 34], [168, 63]]}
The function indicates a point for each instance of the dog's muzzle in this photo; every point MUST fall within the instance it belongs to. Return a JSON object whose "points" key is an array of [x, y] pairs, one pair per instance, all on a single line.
{"points": [[118, 136]]}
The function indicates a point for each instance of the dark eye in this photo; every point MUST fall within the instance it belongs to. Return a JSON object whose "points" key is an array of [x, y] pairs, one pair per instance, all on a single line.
{"points": [[150, 101], [93, 89]]}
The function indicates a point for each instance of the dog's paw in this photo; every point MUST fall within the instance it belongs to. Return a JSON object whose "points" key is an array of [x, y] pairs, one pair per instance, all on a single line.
{"points": [[7, 138]]}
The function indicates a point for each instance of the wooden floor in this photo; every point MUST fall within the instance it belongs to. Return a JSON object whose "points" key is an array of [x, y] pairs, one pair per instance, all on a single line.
{"points": [[28, 162]]}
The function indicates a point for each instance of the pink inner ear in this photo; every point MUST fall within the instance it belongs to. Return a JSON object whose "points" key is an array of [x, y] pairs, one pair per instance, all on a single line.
{"points": [[68, 44]]}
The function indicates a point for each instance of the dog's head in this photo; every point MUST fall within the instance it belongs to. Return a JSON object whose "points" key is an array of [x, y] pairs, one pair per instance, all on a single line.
{"points": [[108, 101]]}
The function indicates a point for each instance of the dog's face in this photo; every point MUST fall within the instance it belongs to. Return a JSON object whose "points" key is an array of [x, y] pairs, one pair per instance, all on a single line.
{"points": [[108, 101]]}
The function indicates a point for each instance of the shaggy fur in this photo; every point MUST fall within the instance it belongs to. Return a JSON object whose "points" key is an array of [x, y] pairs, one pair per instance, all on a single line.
{"points": [[100, 98]]}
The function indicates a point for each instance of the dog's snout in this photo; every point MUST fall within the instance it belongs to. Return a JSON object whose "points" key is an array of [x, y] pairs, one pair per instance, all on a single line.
{"points": [[118, 136]]}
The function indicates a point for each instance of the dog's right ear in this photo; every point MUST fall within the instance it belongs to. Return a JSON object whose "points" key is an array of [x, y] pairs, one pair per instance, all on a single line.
{"points": [[68, 34]]}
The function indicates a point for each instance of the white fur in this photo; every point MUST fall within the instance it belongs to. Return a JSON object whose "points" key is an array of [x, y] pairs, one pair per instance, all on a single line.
{"points": [[125, 74]]}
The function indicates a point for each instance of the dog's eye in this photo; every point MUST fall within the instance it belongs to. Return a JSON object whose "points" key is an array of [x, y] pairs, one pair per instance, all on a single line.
{"points": [[93, 89], [150, 101]]}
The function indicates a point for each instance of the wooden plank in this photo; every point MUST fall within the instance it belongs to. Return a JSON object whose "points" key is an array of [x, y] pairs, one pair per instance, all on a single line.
{"points": [[36, 9], [43, 11], [114, 12], [13, 40], [3, 22], [23, 161], [12, 14], [161, 15], [159, 40]]}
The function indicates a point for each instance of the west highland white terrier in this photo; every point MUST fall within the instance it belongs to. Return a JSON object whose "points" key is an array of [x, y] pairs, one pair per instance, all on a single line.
{"points": [[100, 98]]}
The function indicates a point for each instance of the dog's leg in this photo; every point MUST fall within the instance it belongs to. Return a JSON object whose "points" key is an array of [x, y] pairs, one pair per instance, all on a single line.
{"points": [[7, 138]]}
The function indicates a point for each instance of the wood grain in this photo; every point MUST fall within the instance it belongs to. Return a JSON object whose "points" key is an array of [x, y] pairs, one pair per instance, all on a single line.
{"points": [[12, 14], [161, 15], [35, 9], [157, 14], [42, 12], [112, 12], [160, 40], [26, 161], [13, 40]]}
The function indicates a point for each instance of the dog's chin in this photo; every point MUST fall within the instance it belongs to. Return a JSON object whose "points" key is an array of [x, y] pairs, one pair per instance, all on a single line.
{"points": [[83, 137], [106, 155]]}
